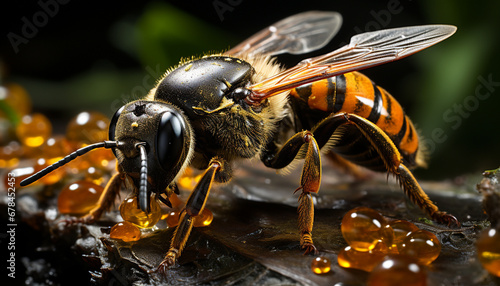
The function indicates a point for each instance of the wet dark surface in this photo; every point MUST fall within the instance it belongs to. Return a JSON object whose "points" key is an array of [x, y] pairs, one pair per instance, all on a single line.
{"points": [[253, 239]]}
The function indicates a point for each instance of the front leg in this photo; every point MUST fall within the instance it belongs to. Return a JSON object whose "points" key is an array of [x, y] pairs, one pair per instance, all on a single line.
{"points": [[194, 206], [309, 181]]}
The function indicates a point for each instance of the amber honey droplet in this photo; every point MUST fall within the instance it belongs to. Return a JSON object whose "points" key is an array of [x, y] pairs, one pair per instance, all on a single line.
{"points": [[101, 157], [172, 218], [130, 212], [321, 265], [88, 127], [33, 130], [366, 261], [396, 271], [10, 154], [363, 227], [78, 165], [79, 198], [94, 175], [401, 229], [125, 231], [16, 97], [189, 180], [203, 219], [422, 245], [175, 201], [56, 147], [488, 251]]}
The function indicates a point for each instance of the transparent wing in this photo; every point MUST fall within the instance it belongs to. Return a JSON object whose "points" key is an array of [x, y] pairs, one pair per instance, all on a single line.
{"points": [[297, 34], [365, 50]]}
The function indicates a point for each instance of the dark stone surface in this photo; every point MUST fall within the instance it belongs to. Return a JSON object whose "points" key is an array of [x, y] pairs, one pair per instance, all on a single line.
{"points": [[253, 239]]}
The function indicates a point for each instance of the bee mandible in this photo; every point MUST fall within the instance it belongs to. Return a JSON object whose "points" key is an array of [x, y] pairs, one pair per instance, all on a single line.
{"points": [[211, 112]]}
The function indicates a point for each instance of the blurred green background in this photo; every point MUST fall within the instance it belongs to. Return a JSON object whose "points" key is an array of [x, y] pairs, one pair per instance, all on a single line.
{"points": [[97, 55]]}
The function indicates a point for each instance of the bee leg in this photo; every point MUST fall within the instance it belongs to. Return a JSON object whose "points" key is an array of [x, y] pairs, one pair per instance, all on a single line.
{"points": [[393, 162], [194, 206], [306, 220], [413, 190], [309, 181], [105, 201]]}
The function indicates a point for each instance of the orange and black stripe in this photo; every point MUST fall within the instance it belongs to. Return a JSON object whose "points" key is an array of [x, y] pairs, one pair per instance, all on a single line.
{"points": [[355, 93]]}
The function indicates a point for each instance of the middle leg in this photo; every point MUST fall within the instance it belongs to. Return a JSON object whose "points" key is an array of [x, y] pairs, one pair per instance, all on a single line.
{"points": [[310, 179]]}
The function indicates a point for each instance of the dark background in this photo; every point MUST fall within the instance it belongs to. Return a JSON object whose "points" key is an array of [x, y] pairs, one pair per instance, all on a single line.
{"points": [[97, 55]]}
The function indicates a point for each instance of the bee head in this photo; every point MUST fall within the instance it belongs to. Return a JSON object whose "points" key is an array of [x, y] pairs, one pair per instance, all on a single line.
{"points": [[156, 145]]}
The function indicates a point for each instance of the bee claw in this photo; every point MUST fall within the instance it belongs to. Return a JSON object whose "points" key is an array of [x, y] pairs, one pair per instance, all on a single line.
{"points": [[445, 218], [162, 268], [167, 262], [309, 248], [452, 220]]}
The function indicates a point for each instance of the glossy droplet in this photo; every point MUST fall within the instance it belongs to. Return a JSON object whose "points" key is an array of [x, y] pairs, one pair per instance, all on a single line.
{"points": [[401, 229], [88, 127], [488, 251], [16, 97], [100, 157], [366, 261], [204, 219], [189, 179], [79, 198], [125, 231], [34, 130], [10, 154], [422, 245], [132, 213], [95, 175], [56, 147], [172, 218], [79, 164], [396, 271], [321, 265], [175, 201], [363, 227]]}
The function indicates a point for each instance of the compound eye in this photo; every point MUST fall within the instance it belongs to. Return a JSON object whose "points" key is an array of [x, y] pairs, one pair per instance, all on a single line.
{"points": [[170, 140], [112, 124]]}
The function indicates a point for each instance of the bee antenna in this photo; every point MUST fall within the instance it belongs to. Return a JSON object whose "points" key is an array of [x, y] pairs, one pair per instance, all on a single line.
{"points": [[69, 158], [143, 197]]}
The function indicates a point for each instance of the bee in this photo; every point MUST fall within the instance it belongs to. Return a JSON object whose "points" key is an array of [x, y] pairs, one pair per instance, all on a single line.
{"points": [[211, 112]]}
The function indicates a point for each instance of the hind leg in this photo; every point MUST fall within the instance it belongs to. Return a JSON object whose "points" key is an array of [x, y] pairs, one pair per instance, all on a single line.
{"points": [[391, 158]]}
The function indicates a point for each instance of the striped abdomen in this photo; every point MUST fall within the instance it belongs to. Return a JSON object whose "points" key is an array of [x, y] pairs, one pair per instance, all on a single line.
{"points": [[355, 93]]}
